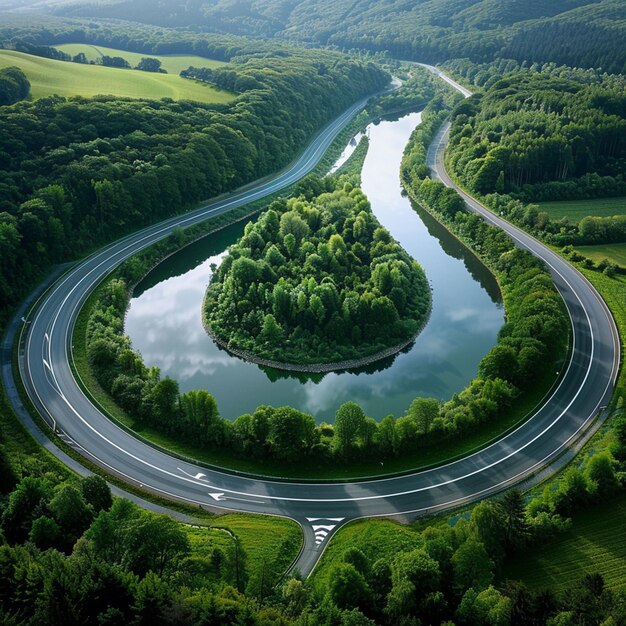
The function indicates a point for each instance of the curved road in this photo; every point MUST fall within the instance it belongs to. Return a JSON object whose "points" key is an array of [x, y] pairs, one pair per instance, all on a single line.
{"points": [[584, 389]]}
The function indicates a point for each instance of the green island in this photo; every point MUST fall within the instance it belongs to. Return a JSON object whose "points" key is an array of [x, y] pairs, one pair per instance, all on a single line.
{"points": [[316, 285]]}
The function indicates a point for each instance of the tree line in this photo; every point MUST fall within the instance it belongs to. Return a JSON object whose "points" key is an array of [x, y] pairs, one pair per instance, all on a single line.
{"points": [[576, 32], [77, 173], [317, 280], [146, 64]]}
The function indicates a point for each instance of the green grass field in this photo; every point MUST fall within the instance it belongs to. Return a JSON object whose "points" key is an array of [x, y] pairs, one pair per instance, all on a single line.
{"points": [[48, 77], [596, 543], [615, 253], [172, 63], [268, 542], [575, 210]]}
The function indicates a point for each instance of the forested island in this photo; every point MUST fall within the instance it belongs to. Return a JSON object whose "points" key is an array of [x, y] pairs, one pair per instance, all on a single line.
{"points": [[317, 281]]}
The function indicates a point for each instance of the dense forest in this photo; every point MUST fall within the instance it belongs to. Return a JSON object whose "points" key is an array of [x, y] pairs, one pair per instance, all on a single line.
{"points": [[532, 128], [580, 33], [77, 173], [538, 134], [317, 280]]}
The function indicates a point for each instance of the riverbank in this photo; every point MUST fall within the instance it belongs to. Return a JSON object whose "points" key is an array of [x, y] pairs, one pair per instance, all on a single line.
{"points": [[314, 368]]}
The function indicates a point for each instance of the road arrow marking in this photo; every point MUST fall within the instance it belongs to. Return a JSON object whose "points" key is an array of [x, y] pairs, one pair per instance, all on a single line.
{"points": [[198, 476], [219, 496]]}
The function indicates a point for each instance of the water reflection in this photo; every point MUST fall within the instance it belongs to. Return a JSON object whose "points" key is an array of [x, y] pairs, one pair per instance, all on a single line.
{"points": [[164, 320]]}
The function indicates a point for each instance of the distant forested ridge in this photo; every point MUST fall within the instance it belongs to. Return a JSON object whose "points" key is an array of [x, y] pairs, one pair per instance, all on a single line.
{"points": [[77, 173], [581, 33], [317, 280]]}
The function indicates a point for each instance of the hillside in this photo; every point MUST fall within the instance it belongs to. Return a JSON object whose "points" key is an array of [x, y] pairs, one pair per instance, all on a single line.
{"points": [[537, 30], [49, 77], [171, 63]]}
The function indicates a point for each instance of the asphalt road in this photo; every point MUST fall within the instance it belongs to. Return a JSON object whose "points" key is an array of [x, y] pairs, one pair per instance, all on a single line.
{"points": [[585, 388]]}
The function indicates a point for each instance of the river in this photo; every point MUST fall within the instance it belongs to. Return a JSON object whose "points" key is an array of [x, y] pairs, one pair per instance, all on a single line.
{"points": [[164, 318]]}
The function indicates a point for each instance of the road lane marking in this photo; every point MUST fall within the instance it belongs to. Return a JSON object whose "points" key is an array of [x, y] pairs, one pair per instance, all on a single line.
{"points": [[198, 476]]}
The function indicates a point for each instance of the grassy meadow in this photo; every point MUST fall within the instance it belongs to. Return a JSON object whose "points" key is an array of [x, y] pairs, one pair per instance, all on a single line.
{"points": [[616, 253], [270, 544], [49, 77], [596, 543], [172, 63], [575, 210]]}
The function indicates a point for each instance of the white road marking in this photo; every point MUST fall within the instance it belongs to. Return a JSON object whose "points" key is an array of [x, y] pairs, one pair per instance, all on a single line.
{"points": [[322, 531], [198, 476], [219, 497]]}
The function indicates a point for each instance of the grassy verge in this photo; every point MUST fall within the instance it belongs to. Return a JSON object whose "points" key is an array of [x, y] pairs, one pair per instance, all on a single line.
{"points": [[271, 543], [613, 290], [354, 165], [49, 77], [575, 210], [23, 453]]}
